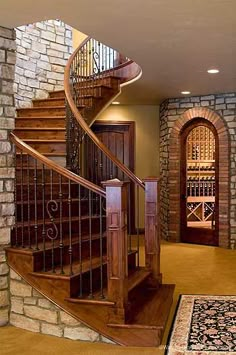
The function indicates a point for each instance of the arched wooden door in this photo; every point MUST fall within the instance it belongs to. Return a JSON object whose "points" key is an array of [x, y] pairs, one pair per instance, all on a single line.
{"points": [[199, 183]]}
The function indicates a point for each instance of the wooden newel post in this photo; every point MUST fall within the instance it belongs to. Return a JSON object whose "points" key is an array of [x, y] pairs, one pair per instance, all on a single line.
{"points": [[117, 246], [152, 233]]}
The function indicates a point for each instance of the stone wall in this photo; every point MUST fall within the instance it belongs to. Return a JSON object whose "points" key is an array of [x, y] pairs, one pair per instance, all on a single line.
{"points": [[43, 49], [171, 113], [31, 311], [7, 113]]}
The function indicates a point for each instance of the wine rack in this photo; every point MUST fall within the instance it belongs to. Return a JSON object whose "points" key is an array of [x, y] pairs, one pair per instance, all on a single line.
{"points": [[200, 186]]}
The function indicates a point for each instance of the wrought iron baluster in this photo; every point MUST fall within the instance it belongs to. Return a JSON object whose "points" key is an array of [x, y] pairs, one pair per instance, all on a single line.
{"points": [[70, 232], [61, 244], [80, 244], [22, 200], [129, 218], [101, 248], [52, 239], [35, 205], [86, 97], [138, 236], [28, 201], [52, 230], [90, 248], [43, 217], [16, 209]]}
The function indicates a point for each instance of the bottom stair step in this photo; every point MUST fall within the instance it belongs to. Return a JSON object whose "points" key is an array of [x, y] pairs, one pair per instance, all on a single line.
{"points": [[150, 312]]}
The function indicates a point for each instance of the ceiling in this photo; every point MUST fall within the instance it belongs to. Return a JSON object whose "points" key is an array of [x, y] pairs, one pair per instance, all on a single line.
{"points": [[174, 41]]}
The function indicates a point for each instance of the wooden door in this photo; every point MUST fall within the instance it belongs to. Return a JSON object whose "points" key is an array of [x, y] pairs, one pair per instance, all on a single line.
{"points": [[119, 138], [199, 184]]}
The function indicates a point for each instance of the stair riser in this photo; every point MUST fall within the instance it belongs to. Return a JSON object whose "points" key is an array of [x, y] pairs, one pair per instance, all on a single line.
{"points": [[88, 101], [109, 81], [85, 254], [54, 189], [37, 134], [97, 91], [40, 209], [47, 174], [74, 231], [46, 102], [58, 94], [41, 112], [96, 282], [40, 122], [47, 147]]}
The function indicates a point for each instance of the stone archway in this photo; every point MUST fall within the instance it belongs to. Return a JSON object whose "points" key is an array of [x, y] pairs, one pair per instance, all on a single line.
{"points": [[174, 172]]}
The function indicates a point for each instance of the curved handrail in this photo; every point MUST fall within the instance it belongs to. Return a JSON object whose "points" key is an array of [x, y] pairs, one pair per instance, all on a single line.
{"points": [[52, 165], [82, 122]]}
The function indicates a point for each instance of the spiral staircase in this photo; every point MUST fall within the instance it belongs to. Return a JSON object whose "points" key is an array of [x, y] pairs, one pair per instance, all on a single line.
{"points": [[72, 239]]}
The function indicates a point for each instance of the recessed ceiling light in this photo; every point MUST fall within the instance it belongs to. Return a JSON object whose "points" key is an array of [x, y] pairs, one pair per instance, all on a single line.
{"points": [[185, 92], [213, 71], [115, 102]]}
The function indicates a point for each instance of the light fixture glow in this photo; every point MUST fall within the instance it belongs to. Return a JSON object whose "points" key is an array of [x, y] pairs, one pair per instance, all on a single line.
{"points": [[115, 102], [185, 92], [213, 71]]}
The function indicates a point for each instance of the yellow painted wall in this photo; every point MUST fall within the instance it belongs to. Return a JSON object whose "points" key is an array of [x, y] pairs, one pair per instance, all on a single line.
{"points": [[77, 38], [146, 120]]}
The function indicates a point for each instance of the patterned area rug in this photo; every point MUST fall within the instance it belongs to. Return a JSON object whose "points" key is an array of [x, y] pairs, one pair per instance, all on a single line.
{"points": [[204, 325]]}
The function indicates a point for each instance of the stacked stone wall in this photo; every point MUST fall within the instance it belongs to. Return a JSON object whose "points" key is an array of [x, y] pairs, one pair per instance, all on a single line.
{"points": [[43, 49], [171, 112], [31, 311], [7, 121]]}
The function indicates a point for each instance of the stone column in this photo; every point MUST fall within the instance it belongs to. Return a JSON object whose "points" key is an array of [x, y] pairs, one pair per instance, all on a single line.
{"points": [[7, 114]]}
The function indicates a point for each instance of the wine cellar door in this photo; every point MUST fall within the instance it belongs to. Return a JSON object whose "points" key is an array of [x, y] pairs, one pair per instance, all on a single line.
{"points": [[199, 187]]}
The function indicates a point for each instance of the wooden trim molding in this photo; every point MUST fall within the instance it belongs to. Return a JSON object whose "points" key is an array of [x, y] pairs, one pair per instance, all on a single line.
{"points": [[224, 174]]}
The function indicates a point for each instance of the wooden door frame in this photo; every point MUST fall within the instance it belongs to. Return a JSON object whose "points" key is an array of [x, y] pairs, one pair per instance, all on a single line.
{"points": [[196, 122], [131, 145]]}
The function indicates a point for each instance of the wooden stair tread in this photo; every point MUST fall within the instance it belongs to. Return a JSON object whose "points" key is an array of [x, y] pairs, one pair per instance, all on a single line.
{"points": [[136, 277], [96, 300], [152, 309], [40, 129], [44, 140], [76, 268], [53, 154], [47, 99], [57, 220], [82, 87], [48, 244], [155, 309], [40, 117], [40, 108], [89, 96], [86, 264]]}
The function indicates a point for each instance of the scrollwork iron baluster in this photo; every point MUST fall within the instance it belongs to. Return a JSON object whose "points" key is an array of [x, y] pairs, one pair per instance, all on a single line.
{"points": [[52, 231]]}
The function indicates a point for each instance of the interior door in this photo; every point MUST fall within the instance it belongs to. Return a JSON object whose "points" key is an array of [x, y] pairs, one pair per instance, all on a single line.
{"points": [[119, 138], [199, 185]]}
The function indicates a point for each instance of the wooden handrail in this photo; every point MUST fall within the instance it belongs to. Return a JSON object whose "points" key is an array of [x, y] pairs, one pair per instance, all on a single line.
{"points": [[55, 167], [84, 125]]}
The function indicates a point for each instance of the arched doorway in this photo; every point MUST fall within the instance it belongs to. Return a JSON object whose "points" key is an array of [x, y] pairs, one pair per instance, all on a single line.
{"points": [[174, 166], [199, 188]]}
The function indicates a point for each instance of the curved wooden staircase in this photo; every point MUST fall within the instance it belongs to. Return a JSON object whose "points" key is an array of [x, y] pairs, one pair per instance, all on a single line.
{"points": [[70, 240]]}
